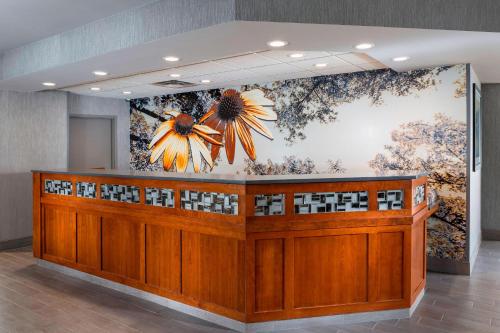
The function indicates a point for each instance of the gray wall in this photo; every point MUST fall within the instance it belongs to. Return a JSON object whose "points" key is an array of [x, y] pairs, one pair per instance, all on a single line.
{"points": [[79, 105], [33, 134], [491, 162]]}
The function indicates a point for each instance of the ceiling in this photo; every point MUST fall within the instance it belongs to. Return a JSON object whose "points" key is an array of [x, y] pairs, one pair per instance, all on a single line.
{"points": [[213, 52], [26, 21], [265, 66]]}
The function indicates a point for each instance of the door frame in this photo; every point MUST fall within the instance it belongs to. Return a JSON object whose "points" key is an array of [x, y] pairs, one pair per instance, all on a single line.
{"points": [[114, 134]]}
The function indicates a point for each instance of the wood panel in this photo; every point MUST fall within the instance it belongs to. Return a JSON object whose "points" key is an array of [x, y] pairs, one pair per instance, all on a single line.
{"points": [[390, 266], [59, 233], [222, 271], [163, 258], [269, 275], [330, 270], [418, 257], [190, 264], [88, 239], [122, 247]]}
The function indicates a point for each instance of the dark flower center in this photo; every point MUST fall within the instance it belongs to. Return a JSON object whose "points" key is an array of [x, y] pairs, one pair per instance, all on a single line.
{"points": [[184, 124], [230, 105]]}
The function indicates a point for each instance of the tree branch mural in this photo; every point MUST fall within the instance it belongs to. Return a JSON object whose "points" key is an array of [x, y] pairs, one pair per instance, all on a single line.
{"points": [[439, 149]]}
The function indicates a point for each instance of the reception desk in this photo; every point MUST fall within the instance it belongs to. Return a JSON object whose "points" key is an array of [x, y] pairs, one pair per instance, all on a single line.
{"points": [[243, 251]]}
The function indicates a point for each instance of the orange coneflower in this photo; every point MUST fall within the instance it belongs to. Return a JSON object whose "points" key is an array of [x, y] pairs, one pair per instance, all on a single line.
{"points": [[235, 113], [174, 137]]}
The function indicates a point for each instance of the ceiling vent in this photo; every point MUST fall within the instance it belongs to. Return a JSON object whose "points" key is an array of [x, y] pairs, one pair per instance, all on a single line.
{"points": [[174, 84]]}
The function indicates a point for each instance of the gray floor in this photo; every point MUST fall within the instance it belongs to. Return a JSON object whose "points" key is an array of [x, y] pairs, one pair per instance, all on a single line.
{"points": [[33, 299]]}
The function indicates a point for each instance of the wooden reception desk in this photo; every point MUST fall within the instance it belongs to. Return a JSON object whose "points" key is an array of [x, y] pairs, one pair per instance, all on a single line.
{"points": [[248, 249]]}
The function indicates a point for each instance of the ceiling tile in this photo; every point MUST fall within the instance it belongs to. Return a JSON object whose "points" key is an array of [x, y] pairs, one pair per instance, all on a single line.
{"points": [[356, 58], [331, 61], [284, 56], [247, 61]]}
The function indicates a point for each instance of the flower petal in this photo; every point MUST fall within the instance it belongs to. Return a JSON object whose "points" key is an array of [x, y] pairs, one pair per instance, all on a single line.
{"points": [[245, 138], [207, 137], [159, 148], [161, 131], [229, 141], [182, 159], [257, 97], [172, 112], [256, 125], [210, 112], [206, 129], [264, 113], [203, 150], [171, 150], [195, 152]]}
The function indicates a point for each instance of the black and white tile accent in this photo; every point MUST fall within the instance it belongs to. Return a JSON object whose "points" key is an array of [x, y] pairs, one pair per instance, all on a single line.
{"points": [[211, 202], [61, 187], [86, 190], [161, 197], [329, 202], [419, 195], [269, 204], [121, 193], [390, 199]]}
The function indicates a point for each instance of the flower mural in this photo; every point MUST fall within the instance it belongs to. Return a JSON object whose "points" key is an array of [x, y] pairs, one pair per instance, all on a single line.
{"points": [[235, 114], [174, 138]]}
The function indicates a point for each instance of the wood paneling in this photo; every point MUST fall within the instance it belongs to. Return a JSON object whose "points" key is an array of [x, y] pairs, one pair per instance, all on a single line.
{"points": [[247, 268], [122, 247], [222, 266], [59, 232], [269, 275], [163, 258], [88, 230], [390, 266], [330, 270]]}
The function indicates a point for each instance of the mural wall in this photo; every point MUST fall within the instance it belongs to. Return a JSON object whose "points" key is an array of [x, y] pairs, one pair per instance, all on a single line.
{"points": [[357, 122]]}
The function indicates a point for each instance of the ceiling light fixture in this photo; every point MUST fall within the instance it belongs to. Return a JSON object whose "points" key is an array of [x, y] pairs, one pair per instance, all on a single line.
{"points": [[277, 43], [320, 65], [127, 92], [400, 59], [95, 88], [49, 84], [296, 55], [100, 73], [175, 75], [205, 81], [171, 58], [364, 46]]}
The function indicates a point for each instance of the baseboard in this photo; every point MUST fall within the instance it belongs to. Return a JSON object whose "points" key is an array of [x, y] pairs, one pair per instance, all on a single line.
{"points": [[491, 235], [16, 243], [440, 265]]}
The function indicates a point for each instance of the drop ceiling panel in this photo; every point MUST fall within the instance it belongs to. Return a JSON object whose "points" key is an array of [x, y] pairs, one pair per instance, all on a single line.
{"points": [[247, 61]]}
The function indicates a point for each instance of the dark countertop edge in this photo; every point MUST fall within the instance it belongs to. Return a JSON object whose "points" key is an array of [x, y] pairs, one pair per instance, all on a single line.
{"points": [[238, 181]]}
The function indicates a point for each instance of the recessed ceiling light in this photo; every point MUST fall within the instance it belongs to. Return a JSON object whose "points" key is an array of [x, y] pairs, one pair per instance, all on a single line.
{"points": [[100, 73], [95, 88], [320, 65], [399, 59], [171, 58], [296, 55], [175, 75], [127, 92], [205, 81], [364, 46], [277, 43], [49, 84]]}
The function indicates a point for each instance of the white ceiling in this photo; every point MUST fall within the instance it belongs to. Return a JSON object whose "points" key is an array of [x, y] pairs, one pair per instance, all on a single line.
{"points": [[426, 48], [263, 66], [25, 21]]}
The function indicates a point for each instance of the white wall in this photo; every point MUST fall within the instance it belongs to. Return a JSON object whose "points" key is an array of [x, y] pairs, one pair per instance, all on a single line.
{"points": [[474, 181]]}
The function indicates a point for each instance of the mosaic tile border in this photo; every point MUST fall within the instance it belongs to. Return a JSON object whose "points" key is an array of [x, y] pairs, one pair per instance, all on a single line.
{"points": [[419, 195], [159, 197], [210, 202], [390, 199], [60, 187], [120, 193], [269, 204], [330, 202], [86, 190]]}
